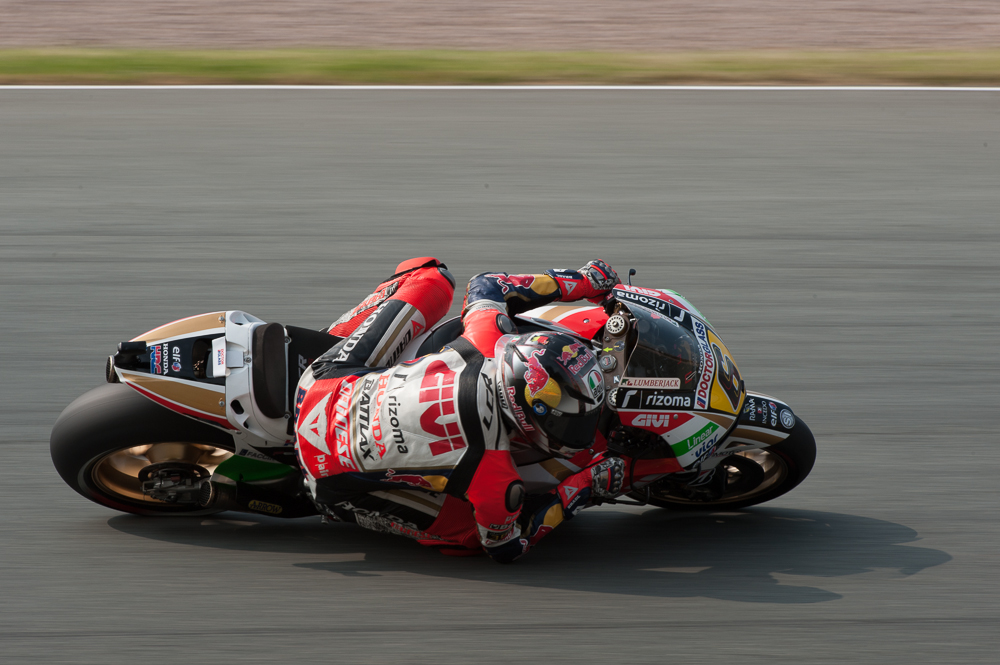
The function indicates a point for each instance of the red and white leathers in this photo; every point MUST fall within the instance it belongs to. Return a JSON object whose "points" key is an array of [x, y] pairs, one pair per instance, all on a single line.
{"points": [[421, 449]]}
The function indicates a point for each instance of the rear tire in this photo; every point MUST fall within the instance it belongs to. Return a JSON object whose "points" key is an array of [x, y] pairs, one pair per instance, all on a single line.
{"points": [[752, 478], [106, 442]]}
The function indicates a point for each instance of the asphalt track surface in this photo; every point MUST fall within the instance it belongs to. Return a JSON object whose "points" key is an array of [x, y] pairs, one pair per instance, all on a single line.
{"points": [[844, 243]]}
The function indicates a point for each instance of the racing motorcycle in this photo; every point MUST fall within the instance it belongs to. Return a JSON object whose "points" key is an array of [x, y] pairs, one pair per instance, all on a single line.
{"points": [[197, 415]]}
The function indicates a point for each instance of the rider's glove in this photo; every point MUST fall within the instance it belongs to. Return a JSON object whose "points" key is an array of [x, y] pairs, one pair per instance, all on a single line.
{"points": [[592, 282], [592, 486], [510, 551], [607, 478], [601, 276]]}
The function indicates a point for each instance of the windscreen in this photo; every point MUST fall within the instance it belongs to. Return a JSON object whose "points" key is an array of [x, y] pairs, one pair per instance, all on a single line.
{"points": [[664, 350]]}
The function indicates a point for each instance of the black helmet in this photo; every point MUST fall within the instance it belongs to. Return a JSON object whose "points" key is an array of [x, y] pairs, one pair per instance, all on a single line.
{"points": [[553, 391]]}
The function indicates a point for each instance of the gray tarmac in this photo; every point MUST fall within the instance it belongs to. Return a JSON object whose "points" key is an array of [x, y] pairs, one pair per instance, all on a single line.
{"points": [[845, 244]]}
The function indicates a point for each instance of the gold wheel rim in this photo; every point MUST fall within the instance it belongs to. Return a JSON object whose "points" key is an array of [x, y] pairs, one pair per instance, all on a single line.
{"points": [[117, 473]]}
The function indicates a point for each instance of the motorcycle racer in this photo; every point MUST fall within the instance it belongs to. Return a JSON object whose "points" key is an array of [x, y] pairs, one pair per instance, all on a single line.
{"points": [[421, 449]]}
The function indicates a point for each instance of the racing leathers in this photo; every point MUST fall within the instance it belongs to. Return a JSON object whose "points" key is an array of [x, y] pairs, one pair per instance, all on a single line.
{"points": [[421, 448]]}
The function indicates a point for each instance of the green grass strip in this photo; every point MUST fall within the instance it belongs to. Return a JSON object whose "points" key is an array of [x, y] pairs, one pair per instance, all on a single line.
{"points": [[318, 66]]}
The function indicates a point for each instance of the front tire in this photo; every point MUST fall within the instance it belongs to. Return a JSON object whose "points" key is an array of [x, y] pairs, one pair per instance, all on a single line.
{"points": [[751, 478], [111, 440]]}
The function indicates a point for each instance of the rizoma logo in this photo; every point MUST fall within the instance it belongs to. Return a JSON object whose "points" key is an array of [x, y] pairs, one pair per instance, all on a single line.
{"points": [[659, 399], [652, 303]]}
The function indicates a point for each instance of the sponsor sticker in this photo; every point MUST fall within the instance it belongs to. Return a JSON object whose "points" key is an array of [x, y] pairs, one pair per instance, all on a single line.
{"points": [[667, 400], [595, 381], [522, 421], [653, 300], [664, 383], [158, 359], [411, 479], [708, 367], [535, 376], [569, 352], [787, 419], [261, 506], [639, 289], [313, 427], [707, 437]]}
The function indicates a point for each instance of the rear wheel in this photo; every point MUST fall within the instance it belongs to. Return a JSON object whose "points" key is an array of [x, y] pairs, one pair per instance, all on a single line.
{"points": [[121, 450], [743, 479]]}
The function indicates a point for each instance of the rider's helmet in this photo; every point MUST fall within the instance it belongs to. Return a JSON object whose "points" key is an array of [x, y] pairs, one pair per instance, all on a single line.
{"points": [[553, 391]]}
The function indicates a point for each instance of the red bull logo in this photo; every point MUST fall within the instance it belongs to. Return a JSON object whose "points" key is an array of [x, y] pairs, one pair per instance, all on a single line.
{"points": [[569, 352], [536, 376], [411, 479]]}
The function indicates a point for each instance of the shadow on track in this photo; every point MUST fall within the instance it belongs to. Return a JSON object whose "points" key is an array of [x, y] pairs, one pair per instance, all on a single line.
{"points": [[727, 556]]}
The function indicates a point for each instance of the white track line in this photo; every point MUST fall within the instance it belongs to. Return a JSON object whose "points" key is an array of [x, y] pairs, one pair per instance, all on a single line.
{"points": [[521, 88]]}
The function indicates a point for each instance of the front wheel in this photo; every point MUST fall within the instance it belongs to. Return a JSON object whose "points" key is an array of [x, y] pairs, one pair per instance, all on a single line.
{"points": [[121, 450], [746, 479]]}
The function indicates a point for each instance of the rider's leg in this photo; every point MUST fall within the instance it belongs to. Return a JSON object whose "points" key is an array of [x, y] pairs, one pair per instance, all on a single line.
{"points": [[423, 282], [403, 307]]}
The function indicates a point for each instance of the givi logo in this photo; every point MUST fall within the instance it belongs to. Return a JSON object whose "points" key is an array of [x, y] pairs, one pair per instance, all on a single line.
{"points": [[439, 419], [657, 422]]}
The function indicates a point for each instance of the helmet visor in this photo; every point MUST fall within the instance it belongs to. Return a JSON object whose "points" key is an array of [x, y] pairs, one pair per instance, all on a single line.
{"points": [[664, 349], [571, 430]]}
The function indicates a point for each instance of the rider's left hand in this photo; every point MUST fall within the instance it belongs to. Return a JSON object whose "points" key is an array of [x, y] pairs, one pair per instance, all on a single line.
{"points": [[602, 278]]}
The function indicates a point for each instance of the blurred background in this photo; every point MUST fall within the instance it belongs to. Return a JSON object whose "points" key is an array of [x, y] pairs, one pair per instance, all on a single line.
{"points": [[843, 243], [551, 41]]}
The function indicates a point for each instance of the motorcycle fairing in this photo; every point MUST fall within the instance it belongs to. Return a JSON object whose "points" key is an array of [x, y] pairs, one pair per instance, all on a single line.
{"points": [[665, 302], [580, 319], [692, 436], [203, 402], [211, 323], [719, 387], [169, 377], [223, 393], [764, 421]]}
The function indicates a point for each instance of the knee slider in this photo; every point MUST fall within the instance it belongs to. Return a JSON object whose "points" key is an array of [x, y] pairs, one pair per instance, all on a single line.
{"points": [[514, 498]]}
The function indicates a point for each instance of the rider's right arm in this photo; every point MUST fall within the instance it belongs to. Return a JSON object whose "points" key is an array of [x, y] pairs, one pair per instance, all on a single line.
{"points": [[496, 493], [598, 482]]}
